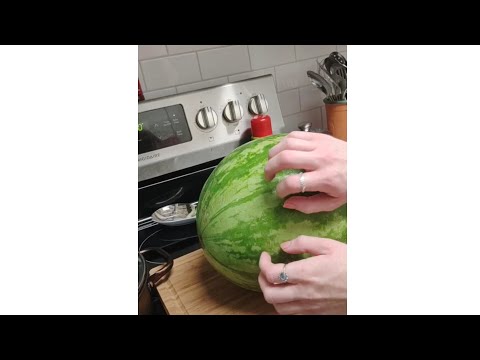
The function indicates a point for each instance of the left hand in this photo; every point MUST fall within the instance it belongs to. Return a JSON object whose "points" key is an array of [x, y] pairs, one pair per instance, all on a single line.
{"points": [[316, 285]]}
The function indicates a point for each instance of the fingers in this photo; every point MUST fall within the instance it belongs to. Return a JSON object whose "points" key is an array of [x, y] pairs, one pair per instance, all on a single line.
{"points": [[306, 135], [308, 245], [272, 271], [289, 159], [314, 181], [291, 185], [290, 143], [324, 179], [313, 204], [276, 294]]}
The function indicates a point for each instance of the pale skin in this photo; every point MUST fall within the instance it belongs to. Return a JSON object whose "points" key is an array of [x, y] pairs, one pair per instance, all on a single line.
{"points": [[318, 284]]}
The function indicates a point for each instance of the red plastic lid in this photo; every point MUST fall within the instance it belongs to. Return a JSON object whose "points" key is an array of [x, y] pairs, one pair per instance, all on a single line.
{"points": [[261, 126]]}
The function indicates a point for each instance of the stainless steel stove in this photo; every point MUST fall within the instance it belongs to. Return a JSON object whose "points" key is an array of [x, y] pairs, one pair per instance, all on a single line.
{"points": [[181, 139]]}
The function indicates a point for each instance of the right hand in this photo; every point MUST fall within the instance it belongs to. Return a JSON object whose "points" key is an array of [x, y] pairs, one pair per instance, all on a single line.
{"points": [[316, 285], [324, 160]]}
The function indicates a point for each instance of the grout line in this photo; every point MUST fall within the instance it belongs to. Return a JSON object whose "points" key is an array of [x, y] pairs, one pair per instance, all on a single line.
{"points": [[237, 73], [299, 100], [166, 48], [284, 91], [196, 82], [307, 86], [318, 107], [295, 51]]}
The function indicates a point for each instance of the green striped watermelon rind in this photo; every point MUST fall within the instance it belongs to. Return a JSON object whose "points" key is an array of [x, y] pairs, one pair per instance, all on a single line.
{"points": [[239, 215]]}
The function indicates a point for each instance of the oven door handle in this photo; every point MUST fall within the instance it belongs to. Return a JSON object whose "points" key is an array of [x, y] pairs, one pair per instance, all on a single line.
{"points": [[146, 223]]}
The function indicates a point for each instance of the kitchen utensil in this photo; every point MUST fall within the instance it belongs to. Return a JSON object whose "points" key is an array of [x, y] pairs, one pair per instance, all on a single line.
{"points": [[305, 126], [336, 75], [322, 81], [339, 58], [314, 78], [176, 214], [170, 215], [333, 79], [322, 71], [330, 69], [339, 76], [319, 86], [327, 62]]}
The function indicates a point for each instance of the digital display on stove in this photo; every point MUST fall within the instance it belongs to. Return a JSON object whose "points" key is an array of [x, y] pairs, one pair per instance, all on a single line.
{"points": [[161, 128]]}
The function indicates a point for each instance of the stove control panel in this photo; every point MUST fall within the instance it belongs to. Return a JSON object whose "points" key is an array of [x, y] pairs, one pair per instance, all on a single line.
{"points": [[184, 130], [233, 111], [258, 104], [207, 118]]}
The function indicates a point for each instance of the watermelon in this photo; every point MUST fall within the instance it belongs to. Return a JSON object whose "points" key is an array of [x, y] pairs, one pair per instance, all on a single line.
{"points": [[239, 215]]}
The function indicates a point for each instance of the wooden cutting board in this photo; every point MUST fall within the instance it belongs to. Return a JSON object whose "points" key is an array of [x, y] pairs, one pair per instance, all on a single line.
{"points": [[195, 287]]}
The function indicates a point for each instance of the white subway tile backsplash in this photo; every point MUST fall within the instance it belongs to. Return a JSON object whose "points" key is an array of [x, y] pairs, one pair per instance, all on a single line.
{"points": [[165, 70], [311, 51], [170, 71], [151, 51], [180, 49], [224, 61], [314, 116], [289, 102], [252, 74], [202, 85], [263, 56], [294, 75], [310, 97], [159, 93]]}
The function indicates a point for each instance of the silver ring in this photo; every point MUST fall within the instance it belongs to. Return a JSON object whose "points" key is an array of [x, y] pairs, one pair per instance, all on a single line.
{"points": [[302, 182], [283, 277]]}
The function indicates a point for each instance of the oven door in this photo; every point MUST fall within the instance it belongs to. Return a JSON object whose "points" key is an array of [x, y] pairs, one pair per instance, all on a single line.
{"points": [[182, 186]]}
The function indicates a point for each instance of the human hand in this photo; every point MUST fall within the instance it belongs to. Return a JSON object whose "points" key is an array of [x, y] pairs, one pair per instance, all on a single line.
{"points": [[324, 160], [316, 285]]}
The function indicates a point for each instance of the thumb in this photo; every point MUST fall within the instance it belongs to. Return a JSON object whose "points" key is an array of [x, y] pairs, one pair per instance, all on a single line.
{"points": [[313, 204], [308, 245]]}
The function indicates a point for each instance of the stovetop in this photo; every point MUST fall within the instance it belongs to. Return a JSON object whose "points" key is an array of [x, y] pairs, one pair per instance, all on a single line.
{"points": [[176, 240]]}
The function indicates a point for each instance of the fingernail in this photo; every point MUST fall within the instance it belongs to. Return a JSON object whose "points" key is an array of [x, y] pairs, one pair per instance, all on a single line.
{"points": [[286, 245]]}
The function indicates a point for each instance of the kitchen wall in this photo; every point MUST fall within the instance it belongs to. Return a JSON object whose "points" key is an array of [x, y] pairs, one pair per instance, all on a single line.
{"points": [[172, 69]]}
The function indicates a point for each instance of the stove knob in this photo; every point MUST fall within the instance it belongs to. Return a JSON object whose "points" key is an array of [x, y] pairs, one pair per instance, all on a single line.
{"points": [[207, 118], [233, 111], [258, 104]]}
